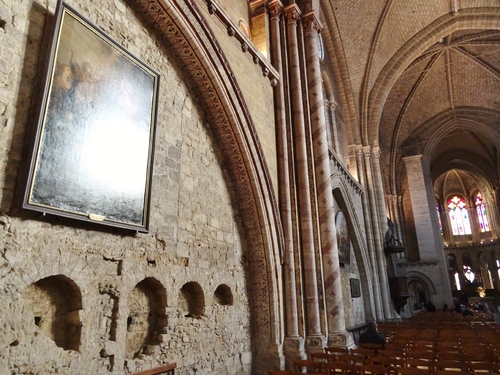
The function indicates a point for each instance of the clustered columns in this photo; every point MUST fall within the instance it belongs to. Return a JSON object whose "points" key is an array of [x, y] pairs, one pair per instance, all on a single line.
{"points": [[304, 173], [294, 343], [393, 207], [382, 221], [329, 251], [313, 329], [371, 273]]}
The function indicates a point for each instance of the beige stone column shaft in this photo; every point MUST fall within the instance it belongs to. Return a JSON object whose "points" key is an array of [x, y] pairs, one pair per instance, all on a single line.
{"points": [[380, 198], [378, 313], [313, 329], [291, 315], [430, 244], [337, 334], [332, 108], [378, 230]]}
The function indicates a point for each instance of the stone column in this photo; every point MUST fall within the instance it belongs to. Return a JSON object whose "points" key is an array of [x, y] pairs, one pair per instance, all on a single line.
{"points": [[332, 109], [378, 312], [337, 335], [376, 203], [313, 327], [429, 241], [293, 344]]}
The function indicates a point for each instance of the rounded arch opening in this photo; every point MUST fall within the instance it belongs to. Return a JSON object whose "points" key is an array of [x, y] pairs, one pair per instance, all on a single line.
{"points": [[55, 303], [146, 319]]}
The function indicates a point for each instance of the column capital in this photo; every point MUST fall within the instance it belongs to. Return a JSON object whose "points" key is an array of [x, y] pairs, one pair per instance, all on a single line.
{"points": [[367, 151], [292, 13], [311, 22], [275, 8], [257, 7], [412, 158], [357, 149], [376, 152]]}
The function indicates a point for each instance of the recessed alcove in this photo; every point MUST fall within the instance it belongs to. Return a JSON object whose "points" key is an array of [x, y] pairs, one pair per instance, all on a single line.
{"points": [[146, 319], [55, 302], [223, 295], [192, 300]]}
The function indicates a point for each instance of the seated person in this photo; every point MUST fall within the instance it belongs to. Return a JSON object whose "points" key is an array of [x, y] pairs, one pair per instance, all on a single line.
{"points": [[429, 306], [372, 335]]}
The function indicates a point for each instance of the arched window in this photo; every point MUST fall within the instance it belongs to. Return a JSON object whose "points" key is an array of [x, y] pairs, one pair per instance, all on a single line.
{"points": [[459, 218], [481, 214], [439, 220]]}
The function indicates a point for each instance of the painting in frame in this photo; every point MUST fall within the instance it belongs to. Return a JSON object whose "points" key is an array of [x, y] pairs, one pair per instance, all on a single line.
{"points": [[343, 238], [93, 143], [355, 288]]}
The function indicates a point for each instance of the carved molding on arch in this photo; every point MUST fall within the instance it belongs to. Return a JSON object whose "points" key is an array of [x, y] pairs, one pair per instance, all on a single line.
{"points": [[186, 32]]}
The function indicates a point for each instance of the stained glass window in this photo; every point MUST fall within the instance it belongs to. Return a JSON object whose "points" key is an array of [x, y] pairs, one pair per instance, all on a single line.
{"points": [[439, 220], [459, 218], [481, 214]]}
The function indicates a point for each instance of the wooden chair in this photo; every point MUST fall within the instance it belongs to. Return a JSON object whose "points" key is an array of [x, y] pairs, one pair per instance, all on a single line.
{"points": [[418, 363], [442, 355], [366, 353], [336, 350], [352, 359], [484, 368], [383, 361], [451, 366], [340, 368], [323, 358], [421, 354], [374, 347], [308, 365], [373, 370], [281, 372], [392, 353], [479, 355], [412, 371]]}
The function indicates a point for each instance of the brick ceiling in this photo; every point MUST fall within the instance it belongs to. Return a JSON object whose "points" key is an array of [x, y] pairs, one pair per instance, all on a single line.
{"points": [[420, 77]]}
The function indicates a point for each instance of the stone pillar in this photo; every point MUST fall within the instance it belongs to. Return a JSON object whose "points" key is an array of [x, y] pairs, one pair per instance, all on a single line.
{"points": [[313, 327], [293, 344], [332, 109], [429, 241], [337, 335], [378, 313], [376, 203]]}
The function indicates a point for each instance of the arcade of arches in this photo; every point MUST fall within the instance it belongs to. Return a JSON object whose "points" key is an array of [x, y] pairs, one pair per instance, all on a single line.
{"points": [[317, 164]]}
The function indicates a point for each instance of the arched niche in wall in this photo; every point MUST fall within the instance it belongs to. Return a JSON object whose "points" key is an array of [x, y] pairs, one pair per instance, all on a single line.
{"points": [[146, 319], [192, 300], [223, 295], [55, 302]]}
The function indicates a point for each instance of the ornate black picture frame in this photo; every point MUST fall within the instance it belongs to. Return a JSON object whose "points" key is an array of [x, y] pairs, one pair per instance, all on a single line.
{"points": [[355, 288], [92, 155]]}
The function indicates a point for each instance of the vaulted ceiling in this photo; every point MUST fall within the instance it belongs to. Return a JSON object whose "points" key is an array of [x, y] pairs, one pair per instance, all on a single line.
{"points": [[421, 77]]}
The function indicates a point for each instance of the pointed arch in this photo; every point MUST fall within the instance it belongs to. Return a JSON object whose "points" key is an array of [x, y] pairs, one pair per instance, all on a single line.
{"points": [[186, 32]]}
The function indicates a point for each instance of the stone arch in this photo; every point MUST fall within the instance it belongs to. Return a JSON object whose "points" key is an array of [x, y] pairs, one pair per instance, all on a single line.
{"points": [[342, 196], [186, 32], [192, 300], [416, 278], [146, 318], [223, 295], [55, 302], [464, 20]]}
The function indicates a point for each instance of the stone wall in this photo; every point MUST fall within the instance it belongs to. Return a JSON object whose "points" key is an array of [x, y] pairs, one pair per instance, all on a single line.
{"points": [[124, 301]]}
